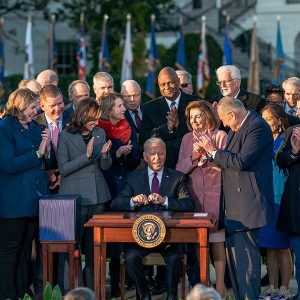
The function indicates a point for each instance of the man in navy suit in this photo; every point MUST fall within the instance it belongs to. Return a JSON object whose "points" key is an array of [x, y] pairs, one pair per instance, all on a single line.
{"points": [[131, 92], [247, 191], [154, 188]]}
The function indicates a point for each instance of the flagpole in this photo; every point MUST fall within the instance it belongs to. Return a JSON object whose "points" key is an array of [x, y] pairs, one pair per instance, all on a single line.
{"points": [[52, 42], [126, 72]]}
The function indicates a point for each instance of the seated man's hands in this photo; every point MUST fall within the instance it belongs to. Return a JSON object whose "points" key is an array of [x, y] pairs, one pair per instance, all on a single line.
{"points": [[140, 199], [156, 198]]}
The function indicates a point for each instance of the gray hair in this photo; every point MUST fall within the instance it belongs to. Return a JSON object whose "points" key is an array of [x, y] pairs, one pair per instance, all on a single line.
{"points": [[152, 141], [73, 84], [130, 82], [200, 292], [99, 76], [80, 293], [184, 73], [228, 104], [295, 81], [234, 71]]}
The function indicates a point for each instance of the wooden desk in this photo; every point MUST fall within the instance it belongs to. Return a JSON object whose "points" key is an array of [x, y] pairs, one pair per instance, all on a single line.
{"points": [[116, 227]]}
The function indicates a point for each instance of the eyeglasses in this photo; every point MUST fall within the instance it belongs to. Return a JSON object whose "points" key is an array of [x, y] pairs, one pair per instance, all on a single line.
{"points": [[224, 81], [185, 85], [128, 97]]}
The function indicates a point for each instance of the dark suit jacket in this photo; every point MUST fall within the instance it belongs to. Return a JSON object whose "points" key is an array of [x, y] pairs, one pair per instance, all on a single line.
{"points": [[250, 100], [289, 214], [41, 119], [130, 121], [292, 120], [173, 185], [154, 123], [247, 175]]}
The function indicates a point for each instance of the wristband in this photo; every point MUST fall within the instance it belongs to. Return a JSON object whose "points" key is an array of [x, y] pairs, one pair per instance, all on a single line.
{"points": [[38, 154]]}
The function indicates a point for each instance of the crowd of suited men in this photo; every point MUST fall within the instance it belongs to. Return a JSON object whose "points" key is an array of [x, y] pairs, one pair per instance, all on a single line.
{"points": [[235, 156]]}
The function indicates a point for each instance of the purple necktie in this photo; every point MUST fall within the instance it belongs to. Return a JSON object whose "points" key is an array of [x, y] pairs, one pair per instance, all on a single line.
{"points": [[291, 112], [155, 184], [55, 133]]}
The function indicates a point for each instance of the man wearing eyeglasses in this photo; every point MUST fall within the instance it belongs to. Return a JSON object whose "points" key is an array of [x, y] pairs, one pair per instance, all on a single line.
{"points": [[229, 82], [185, 80], [132, 96]]}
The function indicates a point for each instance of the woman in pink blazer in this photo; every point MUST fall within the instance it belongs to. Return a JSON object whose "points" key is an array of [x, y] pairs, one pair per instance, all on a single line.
{"points": [[204, 178]]}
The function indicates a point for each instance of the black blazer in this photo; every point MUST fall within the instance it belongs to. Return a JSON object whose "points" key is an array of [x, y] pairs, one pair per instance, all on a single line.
{"points": [[173, 185], [250, 100], [154, 123], [41, 119], [289, 214]]}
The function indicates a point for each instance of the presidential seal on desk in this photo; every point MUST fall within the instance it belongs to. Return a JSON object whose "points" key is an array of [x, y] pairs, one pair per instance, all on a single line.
{"points": [[149, 231]]}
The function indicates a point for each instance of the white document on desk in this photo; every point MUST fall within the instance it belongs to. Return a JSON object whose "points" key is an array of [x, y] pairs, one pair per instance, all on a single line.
{"points": [[200, 214]]}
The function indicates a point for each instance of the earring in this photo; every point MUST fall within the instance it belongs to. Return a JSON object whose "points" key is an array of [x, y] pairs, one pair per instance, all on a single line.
{"points": [[280, 127]]}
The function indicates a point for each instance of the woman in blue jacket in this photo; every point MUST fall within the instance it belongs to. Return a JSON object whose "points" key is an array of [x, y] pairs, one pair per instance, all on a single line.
{"points": [[23, 146]]}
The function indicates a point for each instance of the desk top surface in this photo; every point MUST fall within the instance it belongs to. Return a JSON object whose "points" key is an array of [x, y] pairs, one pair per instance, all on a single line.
{"points": [[170, 219]]}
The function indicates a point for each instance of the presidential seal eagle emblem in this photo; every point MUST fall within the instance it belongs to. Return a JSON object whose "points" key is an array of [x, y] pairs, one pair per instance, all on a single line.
{"points": [[149, 231]]}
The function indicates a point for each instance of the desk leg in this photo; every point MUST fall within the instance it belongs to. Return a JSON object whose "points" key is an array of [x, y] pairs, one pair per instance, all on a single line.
{"points": [[97, 258], [72, 267], [203, 254], [103, 270], [45, 264]]}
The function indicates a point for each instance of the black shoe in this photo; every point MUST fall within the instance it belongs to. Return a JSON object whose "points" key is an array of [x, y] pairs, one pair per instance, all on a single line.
{"points": [[158, 290], [172, 297], [265, 280], [146, 295]]}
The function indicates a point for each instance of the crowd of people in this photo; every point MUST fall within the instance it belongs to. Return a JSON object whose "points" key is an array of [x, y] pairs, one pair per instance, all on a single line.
{"points": [[236, 156]]}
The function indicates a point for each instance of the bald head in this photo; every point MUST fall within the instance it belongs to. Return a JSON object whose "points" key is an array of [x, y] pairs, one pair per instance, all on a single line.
{"points": [[131, 91], [47, 77], [168, 82]]}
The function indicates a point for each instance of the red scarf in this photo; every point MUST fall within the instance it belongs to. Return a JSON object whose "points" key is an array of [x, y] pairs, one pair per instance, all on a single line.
{"points": [[121, 130]]}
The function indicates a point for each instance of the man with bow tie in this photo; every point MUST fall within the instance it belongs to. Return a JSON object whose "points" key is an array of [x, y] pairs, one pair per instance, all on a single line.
{"points": [[154, 188]]}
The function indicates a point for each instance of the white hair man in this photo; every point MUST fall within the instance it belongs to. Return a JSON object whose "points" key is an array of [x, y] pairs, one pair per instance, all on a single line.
{"points": [[185, 80], [229, 82], [103, 83], [132, 96], [291, 88]]}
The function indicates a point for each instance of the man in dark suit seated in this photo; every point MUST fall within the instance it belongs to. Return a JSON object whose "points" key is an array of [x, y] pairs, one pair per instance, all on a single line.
{"points": [[154, 188]]}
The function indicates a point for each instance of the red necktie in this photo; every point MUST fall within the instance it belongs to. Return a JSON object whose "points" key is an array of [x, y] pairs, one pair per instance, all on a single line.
{"points": [[55, 133], [137, 118], [155, 184]]}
